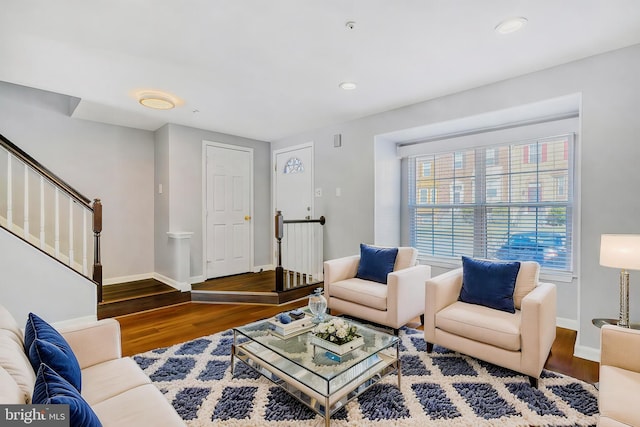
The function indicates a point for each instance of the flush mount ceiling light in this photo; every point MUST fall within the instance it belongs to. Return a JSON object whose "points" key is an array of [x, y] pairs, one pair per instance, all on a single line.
{"points": [[157, 101], [511, 25], [348, 85]]}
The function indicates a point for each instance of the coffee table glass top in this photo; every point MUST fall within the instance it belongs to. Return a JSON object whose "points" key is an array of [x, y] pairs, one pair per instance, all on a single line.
{"points": [[311, 365]]}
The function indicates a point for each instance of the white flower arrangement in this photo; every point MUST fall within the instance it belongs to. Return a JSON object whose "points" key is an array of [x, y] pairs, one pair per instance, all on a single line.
{"points": [[336, 331]]}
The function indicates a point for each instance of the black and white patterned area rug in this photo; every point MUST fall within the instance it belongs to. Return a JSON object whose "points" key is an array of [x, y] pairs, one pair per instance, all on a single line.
{"points": [[441, 388]]}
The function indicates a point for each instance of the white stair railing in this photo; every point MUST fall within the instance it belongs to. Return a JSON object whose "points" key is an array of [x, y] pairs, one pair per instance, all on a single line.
{"points": [[300, 252], [46, 212]]}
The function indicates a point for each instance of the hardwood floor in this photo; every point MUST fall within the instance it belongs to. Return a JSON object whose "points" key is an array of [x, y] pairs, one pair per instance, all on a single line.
{"points": [[264, 281], [175, 324], [131, 297]]}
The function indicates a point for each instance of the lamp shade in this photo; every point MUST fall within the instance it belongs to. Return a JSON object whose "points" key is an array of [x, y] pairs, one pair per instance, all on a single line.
{"points": [[620, 250]]}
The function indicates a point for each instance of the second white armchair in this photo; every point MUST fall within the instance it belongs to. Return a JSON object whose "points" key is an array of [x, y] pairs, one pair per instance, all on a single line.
{"points": [[392, 304]]}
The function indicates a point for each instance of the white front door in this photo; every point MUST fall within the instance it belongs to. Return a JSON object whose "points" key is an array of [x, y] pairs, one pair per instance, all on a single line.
{"points": [[228, 194], [294, 182]]}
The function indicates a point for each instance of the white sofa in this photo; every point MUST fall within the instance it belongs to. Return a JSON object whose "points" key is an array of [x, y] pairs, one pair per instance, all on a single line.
{"points": [[520, 341], [117, 390], [392, 304], [619, 377]]}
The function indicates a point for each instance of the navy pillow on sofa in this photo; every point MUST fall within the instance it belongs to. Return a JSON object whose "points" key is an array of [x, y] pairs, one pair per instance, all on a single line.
{"points": [[51, 388], [488, 283], [42, 351], [51, 349], [376, 263]]}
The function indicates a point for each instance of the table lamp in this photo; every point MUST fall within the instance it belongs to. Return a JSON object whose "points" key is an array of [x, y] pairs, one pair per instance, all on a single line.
{"points": [[621, 251]]}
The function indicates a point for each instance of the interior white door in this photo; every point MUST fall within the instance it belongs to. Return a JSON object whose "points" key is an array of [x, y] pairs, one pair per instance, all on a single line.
{"points": [[294, 182], [228, 215]]}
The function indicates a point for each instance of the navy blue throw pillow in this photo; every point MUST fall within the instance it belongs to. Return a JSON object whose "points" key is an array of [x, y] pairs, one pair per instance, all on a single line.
{"points": [[50, 354], [490, 284], [376, 263], [51, 388], [51, 349]]}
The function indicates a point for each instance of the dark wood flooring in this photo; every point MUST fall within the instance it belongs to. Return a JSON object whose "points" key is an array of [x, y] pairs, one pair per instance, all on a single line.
{"points": [[256, 288], [172, 325], [132, 297], [264, 281]]}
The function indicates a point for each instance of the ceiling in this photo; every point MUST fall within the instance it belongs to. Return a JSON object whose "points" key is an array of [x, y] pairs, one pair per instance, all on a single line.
{"points": [[267, 69]]}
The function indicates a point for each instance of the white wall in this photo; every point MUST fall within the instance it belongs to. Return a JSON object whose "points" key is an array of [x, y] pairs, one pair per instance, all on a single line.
{"points": [[109, 162], [609, 180], [52, 291]]}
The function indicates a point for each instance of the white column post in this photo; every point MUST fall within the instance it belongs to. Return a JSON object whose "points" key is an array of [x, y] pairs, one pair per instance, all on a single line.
{"points": [[70, 232], [25, 221], [56, 225], [85, 268], [180, 247], [9, 193], [42, 213]]}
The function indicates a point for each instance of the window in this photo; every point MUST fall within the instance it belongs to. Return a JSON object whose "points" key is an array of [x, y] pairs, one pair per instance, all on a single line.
{"points": [[492, 156], [458, 160], [457, 193], [516, 206], [426, 169], [533, 156], [560, 185], [494, 189]]}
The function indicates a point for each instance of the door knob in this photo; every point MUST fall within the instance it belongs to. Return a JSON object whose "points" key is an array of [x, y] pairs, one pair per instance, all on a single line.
{"points": [[247, 218]]}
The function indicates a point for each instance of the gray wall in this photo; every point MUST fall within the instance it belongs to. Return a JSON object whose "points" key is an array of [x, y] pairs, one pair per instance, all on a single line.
{"points": [[52, 291], [609, 180], [179, 208], [162, 257], [103, 161]]}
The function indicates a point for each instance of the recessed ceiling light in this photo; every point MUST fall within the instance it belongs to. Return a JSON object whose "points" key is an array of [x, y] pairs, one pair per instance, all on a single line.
{"points": [[348, 85], [157, 101], [511, 25]]}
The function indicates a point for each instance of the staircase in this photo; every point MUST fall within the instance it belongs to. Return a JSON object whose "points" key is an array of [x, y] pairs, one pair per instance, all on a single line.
{"points": [[141, 295], [50, 240]]}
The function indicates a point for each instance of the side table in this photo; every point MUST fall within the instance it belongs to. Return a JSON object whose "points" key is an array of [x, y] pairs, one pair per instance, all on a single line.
{"points": [[600, 322]]}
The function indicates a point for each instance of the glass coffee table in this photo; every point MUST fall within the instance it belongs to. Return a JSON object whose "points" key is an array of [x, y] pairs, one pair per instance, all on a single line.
{"points": [[317, 378]]}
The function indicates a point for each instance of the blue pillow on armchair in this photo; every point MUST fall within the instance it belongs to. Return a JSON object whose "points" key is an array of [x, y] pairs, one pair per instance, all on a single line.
{"points": [[376, 263], [488, 283]]}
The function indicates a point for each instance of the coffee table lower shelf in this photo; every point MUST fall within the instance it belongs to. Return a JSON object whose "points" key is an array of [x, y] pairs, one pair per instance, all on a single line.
{"points": [[365, 374]]}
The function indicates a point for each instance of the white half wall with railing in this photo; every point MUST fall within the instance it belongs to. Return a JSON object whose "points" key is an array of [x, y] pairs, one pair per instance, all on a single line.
{"points": [[300, 252], [46, 216], [53, 291]]}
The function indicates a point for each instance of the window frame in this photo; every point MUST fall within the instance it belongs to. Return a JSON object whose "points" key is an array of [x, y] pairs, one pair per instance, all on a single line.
{"points": [[570, 186]]}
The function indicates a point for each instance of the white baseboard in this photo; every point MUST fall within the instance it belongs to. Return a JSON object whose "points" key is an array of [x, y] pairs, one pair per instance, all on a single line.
{"points": [[259, 268], [196, 279], [588, 353], [565, 323], [181, 286], [124, 279]]}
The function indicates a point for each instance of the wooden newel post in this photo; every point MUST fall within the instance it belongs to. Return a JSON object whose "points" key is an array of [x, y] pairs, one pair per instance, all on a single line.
{"points": [[279, 223], [97, 229]]}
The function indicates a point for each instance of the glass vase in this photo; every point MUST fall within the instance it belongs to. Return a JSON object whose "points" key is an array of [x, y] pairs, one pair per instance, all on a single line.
{"points": [[317, 305]]}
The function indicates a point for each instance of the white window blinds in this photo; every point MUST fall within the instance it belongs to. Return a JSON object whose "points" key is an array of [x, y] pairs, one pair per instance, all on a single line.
{"points": [[509, 202]]}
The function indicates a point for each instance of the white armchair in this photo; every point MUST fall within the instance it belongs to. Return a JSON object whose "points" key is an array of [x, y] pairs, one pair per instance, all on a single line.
{"points": [[520, 341], [392, 304], [619, 377]]}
